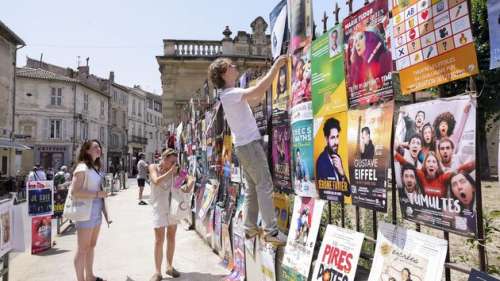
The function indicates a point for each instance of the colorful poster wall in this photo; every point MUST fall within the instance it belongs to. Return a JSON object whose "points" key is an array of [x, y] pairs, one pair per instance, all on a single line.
{"points": [[435, 163], [281, 158], [41, 233], [208, 197], [369, 139], [302, 151], [281, 209], [368, 60], [6, 227], [304, 228], [40, 197], [328, 79], [339, 254], [330, 157], [433, 43], [300, 15], [403, 254], [494, 27]]}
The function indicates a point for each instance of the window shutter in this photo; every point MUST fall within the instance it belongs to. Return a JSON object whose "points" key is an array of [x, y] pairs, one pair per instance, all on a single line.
{"points": [[64, 129]]}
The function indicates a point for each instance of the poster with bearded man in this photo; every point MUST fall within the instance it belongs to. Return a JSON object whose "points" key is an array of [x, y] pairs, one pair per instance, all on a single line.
{"points": [[434, 159]]}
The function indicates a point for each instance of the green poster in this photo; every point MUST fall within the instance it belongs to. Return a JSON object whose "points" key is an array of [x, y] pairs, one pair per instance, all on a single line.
{"points": [[328, 78]]}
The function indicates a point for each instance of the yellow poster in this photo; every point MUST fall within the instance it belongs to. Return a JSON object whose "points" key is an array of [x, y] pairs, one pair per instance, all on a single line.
{"points": [[282, 209], [331, 166], [433, 43]]}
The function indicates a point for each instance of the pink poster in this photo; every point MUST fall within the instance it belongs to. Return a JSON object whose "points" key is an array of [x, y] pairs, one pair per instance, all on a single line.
{"points": [[41, 234]]}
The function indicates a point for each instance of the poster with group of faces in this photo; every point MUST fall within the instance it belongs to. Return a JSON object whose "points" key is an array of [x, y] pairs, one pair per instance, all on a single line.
{"points": [[434, 159]]}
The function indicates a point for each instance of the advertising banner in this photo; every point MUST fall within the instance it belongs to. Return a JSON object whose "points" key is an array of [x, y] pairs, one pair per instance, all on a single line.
{"points": [[368, 60], [279, 28], [330, 157], [339, 254], [433, 43], [494, 26], [282, 210], [434, 160], [302, 152], [281, 89], [402, 254], [300, 15], [369, 140], [6, 227], [40, 197], [208, 197], [267, 265], [59, 200], [301, 76], [281, 158], [304, 228], [41, 233], [328, 79]]}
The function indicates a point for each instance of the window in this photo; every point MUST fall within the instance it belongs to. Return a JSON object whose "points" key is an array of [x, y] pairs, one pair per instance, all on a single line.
{"points": [[133, 107], [114, 117], [56, 96], [124, 119], [102, 107], [101, 135], [115, 96], [27, 130], [150, 135], [139, 109], [55, 129], [85, 101], [85, 131]]}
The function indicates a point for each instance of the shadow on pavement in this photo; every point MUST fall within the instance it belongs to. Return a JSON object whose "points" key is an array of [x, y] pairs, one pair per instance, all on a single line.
{"points": [[52, 252], [196, 276]]}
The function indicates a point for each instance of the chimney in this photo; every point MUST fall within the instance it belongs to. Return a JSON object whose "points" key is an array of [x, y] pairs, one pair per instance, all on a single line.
{"points": [[111, 76]]}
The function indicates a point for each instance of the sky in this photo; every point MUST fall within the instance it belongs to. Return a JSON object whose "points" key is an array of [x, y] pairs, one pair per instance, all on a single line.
{"points": [[125, 36]]}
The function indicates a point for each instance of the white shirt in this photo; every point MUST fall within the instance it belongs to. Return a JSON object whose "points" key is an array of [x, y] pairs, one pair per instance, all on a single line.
{"points": [[93, 178], [239, 116], [39, 175], [160, 194]]}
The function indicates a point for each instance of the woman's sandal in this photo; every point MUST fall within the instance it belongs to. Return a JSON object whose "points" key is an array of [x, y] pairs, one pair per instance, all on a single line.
{"points": [[156, 277]]}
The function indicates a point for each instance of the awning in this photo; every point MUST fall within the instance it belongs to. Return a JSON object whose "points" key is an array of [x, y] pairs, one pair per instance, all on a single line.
{"points": [[11, 144]]}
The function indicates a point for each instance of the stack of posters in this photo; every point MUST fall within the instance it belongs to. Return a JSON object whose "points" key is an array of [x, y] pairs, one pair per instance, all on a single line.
{"points": [[402, 254], [339, 254], [301, 239], [434, 159]]}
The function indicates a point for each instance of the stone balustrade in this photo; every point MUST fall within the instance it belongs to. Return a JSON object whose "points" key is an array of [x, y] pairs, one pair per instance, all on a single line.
{"points": [[192, 48]]}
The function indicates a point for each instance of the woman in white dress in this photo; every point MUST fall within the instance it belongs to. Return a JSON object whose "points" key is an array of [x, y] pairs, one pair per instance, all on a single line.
{"points": [[162, 177]]}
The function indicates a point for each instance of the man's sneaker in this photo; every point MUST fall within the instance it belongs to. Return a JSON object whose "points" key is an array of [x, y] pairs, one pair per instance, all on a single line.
{"points": [[174, 273], [251, 233], [276, 240]]}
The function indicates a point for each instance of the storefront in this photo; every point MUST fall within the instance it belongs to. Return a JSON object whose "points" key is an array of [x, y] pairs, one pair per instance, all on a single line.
{"points": [[53, 156]]}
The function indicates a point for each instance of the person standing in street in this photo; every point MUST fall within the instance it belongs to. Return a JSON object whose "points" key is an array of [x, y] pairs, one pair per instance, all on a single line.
{"points": [[162, 181], [86, 185], [247, 140], [37, 174], [142, 174]]}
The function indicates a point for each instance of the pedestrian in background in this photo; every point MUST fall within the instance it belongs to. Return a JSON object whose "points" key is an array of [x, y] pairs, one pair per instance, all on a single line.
{"points": [[37, 174], [142, 175]]}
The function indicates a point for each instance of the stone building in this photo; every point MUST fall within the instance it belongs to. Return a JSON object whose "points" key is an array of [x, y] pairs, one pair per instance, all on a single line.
{"points": [[118, 125], [56, 111], [136, 126], [155, 128], [184, 63], [9, 44]]}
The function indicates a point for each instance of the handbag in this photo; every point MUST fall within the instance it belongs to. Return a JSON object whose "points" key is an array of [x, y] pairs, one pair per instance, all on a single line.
{"points": [[77, 209], [180, 203]]}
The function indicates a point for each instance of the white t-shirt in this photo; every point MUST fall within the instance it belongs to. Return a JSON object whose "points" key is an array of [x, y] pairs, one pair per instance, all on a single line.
{"points": [[239, 116], [93, 178]]}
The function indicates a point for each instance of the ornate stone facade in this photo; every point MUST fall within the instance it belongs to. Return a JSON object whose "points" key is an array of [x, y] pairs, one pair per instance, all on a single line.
{"points": [[184, 63]]}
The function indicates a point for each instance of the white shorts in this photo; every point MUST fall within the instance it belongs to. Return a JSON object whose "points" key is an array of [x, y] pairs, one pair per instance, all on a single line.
{"points": [[163, 220]]}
